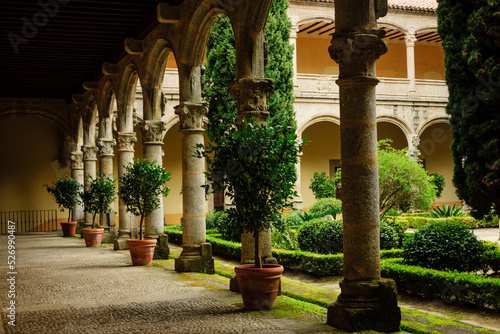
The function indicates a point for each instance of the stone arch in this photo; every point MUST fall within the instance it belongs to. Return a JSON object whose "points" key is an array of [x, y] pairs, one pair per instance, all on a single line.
{"points": [[316, 119], [315, 18], [392, 25], [105, 98], [434, 120], [424, 30], [90, 119], [125, 98], [401, 123]]}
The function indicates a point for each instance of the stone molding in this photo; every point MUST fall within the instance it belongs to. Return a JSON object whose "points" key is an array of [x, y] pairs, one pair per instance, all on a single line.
{"points": [[106, 147], [126, 141], [191, 115], [77, 160], [252, 95], [357, 46], [152, 132], [89, 153]]}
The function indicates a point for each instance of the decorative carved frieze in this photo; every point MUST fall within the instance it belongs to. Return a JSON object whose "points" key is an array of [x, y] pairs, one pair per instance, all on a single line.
{"points": [[252, 95], [413, 151], [152, 132], [357, 47], [106, 147], [89, 153], [76, 160], [126, 141], [191, 115]]}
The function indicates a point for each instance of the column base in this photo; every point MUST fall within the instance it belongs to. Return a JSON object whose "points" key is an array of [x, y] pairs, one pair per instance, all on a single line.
{"points": [[366, 305], [162, 251], [110, 235], [196, 258], [121, 244]]}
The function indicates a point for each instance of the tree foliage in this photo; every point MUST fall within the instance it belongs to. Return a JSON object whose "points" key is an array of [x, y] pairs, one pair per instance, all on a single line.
{"points": [[66, 193], [220, 72], [99, 195], [470, 30], [322, 186], [141, 186], [255, 165]]}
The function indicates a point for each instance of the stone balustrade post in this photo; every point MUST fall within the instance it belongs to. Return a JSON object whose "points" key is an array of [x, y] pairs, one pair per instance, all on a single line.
{"points": [[107, 221], [152, 141], [127, 221], [89, 165], [196, 252], [410, 40]]}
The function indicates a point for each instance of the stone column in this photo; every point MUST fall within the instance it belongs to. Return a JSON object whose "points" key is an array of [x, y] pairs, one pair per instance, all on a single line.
{"points": [[413, 142], [152, 141], [77, 174], [89, 165], [252, 94], [107, 221], [196, 252], [366, 302], [127, 222], [293, 41], [410, 40]]}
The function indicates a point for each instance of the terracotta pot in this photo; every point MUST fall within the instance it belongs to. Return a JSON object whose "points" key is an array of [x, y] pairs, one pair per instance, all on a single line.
{"points": [[93, 236], [259, 287], [141, 251], [68, 229]]}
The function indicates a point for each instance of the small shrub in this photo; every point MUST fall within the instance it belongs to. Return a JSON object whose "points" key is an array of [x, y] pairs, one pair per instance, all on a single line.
{"points": [[286, 239], [322, 186], [293, 219], [388, 237], [445, 211], [438, 181], [306, 216], [444, 246], [322, 236], [228, 228], [327, 206]]}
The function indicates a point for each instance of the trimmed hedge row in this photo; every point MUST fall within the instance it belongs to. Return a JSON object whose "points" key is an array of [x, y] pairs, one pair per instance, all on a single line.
{"points": [[402, 223], [464, 288]]}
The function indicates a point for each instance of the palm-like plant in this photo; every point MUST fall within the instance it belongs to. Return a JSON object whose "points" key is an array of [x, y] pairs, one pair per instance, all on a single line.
{"points": [[141, 185], [445, 211]]}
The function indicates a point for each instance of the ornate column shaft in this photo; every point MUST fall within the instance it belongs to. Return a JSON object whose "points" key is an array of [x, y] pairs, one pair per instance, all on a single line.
{"points": [[299, 202], [106, 154], [252, 95], [293, 41], [410, 40], [152, 141], [413, 142], [366, 301], [196, 252], [127, 221], [77, 174], [89, 165]]}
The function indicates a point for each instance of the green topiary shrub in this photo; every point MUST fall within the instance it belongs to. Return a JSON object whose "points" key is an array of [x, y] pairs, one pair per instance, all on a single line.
{"points": [[322, 185], [293, 219], [444, 246], [327, 206], [321, 235], [388, 236]]}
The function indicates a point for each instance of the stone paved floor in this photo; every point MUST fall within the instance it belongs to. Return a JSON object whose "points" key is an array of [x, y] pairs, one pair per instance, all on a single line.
{"points": [[63, 287]]}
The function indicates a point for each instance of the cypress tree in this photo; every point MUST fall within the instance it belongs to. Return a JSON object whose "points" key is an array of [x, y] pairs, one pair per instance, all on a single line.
{"points": [[470, 30], [220, 71]]}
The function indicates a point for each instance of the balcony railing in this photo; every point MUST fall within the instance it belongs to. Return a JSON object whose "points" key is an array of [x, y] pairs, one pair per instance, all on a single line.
{"points": [[29, 221]]}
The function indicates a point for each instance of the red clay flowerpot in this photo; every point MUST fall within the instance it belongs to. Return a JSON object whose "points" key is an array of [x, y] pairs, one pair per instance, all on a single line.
{"points": [[68, 229], [259, 287], [141, 251], [93, 236]]}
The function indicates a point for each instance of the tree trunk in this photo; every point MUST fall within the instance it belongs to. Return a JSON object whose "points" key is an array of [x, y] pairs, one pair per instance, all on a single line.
{"points": [[258, 260]]}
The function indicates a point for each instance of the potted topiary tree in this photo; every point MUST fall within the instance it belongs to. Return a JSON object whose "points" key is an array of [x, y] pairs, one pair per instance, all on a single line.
{"points": [[141, 185], [97, 199], [255, 165], [66, 192]]}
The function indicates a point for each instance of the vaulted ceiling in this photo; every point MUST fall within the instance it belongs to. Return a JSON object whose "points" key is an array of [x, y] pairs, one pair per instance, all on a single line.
{"points": [[48, 51]]}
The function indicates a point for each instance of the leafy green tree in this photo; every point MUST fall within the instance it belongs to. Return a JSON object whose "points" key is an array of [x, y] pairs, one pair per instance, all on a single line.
{"points": [[256, 166], [220, 72], [438, 181], [322, 186], [66, 192], [141, 185], [470, 33], [99, 195], [403, 182]]}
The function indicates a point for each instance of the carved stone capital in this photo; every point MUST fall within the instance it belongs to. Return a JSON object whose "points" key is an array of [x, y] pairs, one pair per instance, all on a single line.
{"points": [[191, 115], [152, 132], [410, 39], [106, 147], [357, 47], [252, 95], [126, 141], [89, 153], [76, 160]]}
